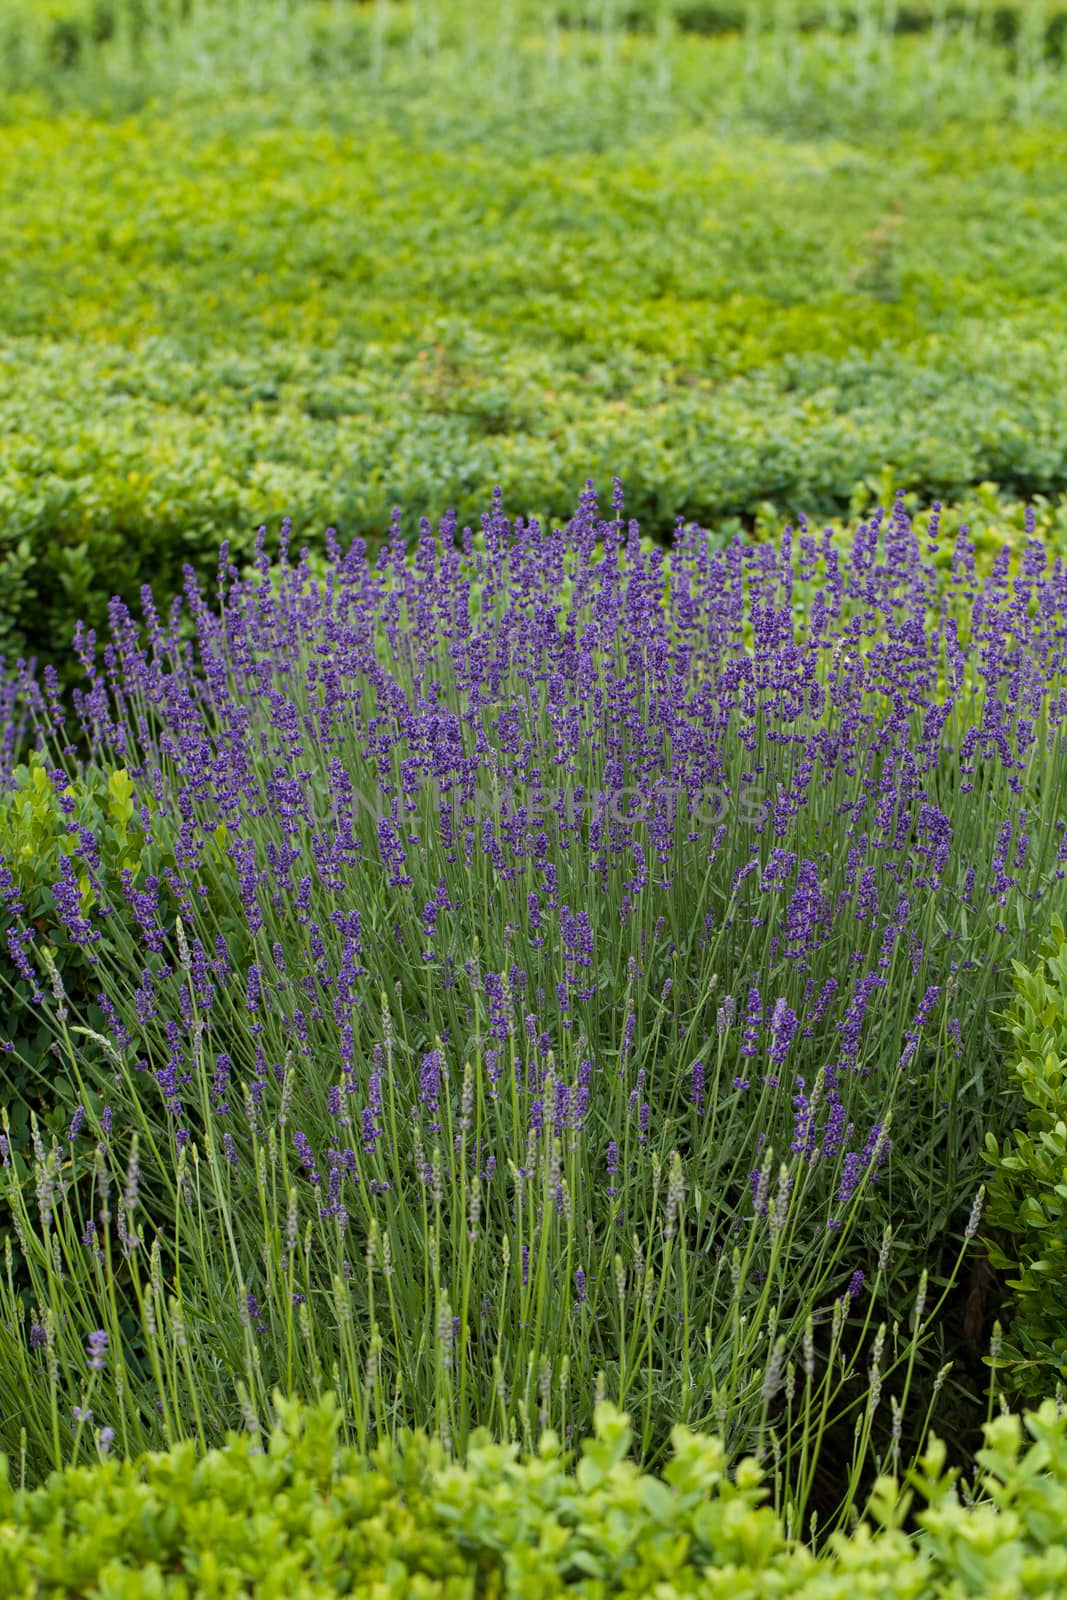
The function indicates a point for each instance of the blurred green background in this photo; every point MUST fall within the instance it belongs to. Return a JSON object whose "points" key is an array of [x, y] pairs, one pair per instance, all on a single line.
{"points": [[272, 258]]}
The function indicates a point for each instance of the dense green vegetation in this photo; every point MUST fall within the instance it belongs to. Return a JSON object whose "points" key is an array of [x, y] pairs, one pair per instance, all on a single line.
{"points": [[752, 1122], [1028, 1198], [302, 1519], [757, 275]]}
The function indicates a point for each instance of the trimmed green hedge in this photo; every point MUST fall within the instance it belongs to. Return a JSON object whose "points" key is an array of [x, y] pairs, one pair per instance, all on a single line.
{"points": [[236, 318], [303, 1520]]}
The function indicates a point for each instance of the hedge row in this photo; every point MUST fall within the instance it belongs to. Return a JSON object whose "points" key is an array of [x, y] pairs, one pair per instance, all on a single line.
{"points": [[1028, 1198], [217, 317], [303, 1520]]}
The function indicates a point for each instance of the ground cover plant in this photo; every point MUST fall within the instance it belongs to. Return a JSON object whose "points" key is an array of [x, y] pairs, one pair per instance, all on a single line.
{"points": [[267, 262], [576, 978]]}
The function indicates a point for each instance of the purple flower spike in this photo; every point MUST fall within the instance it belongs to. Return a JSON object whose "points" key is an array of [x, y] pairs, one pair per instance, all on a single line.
{"points": [[97, 1347]]}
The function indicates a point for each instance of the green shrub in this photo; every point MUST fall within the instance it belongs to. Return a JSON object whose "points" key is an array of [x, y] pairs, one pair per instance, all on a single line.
{"points": [[1028, 1196], [331, 286], [236, 320], [303, 1519], [1002, 23]]}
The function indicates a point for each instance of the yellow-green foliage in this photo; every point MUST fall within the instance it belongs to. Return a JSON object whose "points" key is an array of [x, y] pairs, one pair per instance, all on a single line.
{"points": [[40, 816], [219, 315], [302, 1520], [1028, 1195]]}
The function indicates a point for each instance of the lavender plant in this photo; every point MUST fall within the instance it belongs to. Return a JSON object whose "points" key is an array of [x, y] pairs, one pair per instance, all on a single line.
{"points": [[574, 980]]}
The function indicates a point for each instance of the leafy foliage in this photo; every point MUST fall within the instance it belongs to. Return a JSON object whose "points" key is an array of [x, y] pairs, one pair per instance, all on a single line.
{"points": [[295, 1515], [323, 294], [68, 32], [1028, 1195], [131, 450]]}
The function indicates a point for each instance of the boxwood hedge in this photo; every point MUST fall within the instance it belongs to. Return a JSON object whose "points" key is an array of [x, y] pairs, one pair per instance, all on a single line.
{"points": [[298, 1518]]}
